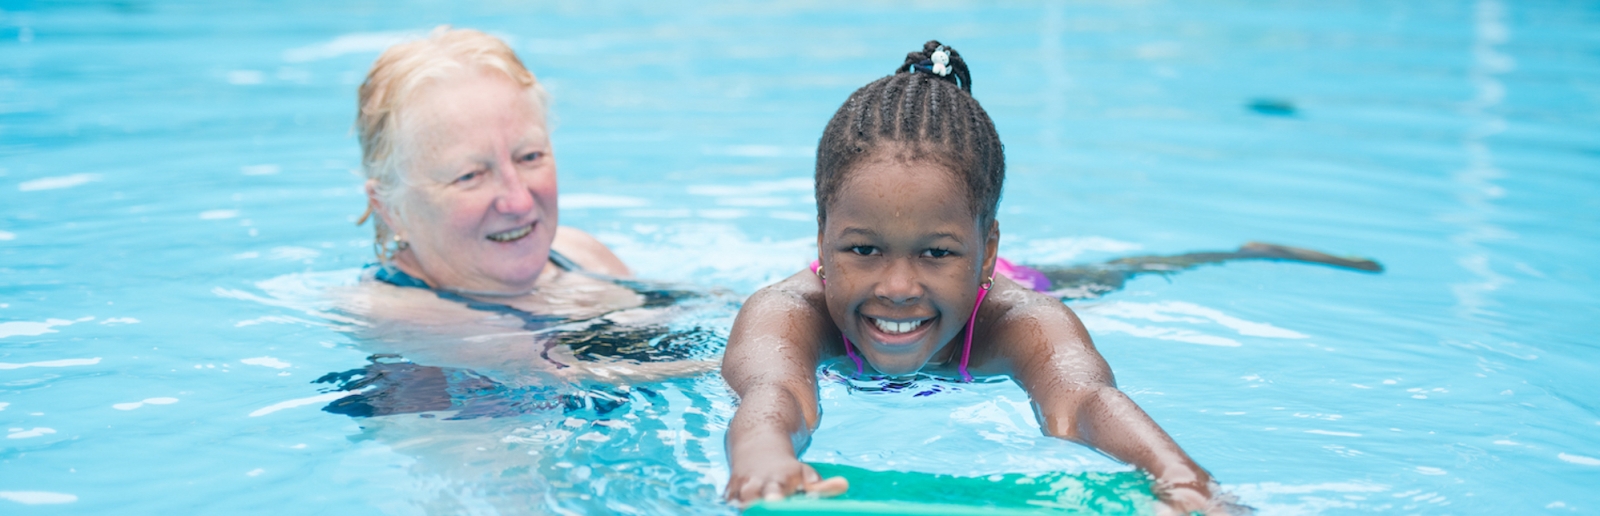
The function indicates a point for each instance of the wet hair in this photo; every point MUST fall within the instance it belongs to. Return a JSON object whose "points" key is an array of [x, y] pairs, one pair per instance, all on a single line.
{"points": [[390, 86], [917, 115]]}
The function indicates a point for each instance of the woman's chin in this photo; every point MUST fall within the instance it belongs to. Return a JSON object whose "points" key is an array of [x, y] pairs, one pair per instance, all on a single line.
{"points": [[516, 269], [501, 280], [514, 281]]}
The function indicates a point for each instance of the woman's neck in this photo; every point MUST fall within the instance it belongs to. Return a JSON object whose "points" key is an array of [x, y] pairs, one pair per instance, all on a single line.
{"points": [[406, 261]]}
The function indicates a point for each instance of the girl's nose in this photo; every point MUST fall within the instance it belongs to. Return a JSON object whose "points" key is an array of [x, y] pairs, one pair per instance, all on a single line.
{"points": [[900, 284], [514, 197]]}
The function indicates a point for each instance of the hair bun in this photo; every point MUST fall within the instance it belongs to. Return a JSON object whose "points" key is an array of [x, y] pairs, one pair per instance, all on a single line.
{"points": [[941, 62]]}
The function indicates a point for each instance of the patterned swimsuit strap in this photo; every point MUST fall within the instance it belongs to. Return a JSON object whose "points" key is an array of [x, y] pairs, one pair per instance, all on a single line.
{"points": [[966, 348]]}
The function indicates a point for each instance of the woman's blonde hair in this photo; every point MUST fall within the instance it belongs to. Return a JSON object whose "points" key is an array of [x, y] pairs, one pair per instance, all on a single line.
{"points": [[395, 77]]}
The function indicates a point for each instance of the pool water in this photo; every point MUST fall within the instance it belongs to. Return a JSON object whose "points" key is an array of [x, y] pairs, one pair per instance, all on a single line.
{"points": [[177, 192]]}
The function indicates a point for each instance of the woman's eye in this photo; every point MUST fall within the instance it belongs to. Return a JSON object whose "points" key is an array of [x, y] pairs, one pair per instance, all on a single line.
{"points": [[864, 250], [469, 176], [531, 156], [936, 253]]}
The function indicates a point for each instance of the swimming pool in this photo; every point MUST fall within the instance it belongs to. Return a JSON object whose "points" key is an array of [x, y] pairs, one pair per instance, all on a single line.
{"points": [[176, 187]]}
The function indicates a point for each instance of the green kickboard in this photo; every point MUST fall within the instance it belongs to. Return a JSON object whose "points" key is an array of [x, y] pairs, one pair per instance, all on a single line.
{"points": [[910, 493]]}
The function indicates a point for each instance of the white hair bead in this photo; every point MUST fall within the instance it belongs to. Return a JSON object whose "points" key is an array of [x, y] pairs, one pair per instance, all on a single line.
{"points": [[941, 61]]}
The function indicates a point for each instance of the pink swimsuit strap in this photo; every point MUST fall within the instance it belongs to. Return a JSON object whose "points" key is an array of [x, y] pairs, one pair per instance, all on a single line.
{"points": [[972, 321]]}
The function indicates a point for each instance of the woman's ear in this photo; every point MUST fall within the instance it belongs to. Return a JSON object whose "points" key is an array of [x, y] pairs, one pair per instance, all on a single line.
{"points": [[376, 208]]}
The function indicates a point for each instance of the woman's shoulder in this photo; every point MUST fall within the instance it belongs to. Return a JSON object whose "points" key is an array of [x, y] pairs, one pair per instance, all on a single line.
{"points": [[589, 252]]}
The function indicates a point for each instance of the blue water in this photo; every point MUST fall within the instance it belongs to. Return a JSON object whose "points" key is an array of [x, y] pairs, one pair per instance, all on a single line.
{"points": [[177, 196]]}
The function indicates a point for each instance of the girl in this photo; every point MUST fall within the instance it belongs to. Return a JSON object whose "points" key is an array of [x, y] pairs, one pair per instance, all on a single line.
{"points": [[908, 177]]}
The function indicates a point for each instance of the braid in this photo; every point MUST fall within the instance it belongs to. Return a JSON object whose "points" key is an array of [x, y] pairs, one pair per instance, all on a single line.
{"points": [[929, 116], [886, 107], [910, 109]]}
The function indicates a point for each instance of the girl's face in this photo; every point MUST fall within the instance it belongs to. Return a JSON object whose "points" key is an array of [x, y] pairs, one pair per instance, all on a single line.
{"points": [[903, 256]]}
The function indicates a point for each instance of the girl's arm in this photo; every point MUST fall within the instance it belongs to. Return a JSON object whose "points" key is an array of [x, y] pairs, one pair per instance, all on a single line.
{"points": [[1077, 397], [771, 364]]}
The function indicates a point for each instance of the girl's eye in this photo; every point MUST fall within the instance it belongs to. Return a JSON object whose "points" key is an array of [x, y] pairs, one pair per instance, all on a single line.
{"points": [[864, 250], [936, 253]]}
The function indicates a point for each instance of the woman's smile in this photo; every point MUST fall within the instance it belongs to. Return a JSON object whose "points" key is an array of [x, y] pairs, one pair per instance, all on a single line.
{"points": [[483, 216], [513, 234]]}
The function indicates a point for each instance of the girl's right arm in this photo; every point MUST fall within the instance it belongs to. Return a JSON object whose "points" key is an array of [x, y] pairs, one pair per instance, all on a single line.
{"points": [[771, 363]]}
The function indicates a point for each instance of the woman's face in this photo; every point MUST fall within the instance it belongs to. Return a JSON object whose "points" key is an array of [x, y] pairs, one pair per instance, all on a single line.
{"points": [[903, 256], [478, 206]]}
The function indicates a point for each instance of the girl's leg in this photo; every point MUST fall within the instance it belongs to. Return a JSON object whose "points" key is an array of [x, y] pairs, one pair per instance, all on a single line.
{"points": [[1091, 281]]}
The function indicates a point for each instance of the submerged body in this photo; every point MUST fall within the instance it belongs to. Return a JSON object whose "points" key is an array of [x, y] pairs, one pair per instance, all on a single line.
{"points": [[581, 326]]}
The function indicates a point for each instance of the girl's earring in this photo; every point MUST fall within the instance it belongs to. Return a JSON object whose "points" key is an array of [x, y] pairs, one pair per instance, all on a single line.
{"points": [[989, 283], [820, 274]]}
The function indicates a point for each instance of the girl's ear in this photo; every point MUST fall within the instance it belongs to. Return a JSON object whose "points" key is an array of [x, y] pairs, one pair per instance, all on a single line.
{"points": [[819, 242], [991, 249]]}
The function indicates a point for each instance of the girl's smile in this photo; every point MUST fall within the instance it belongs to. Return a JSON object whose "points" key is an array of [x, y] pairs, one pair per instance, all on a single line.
{"points": [[897, 334], [903, 254]]}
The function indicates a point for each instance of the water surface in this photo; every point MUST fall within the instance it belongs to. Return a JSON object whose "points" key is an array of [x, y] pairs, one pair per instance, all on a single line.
{"points": [[177, 186]]}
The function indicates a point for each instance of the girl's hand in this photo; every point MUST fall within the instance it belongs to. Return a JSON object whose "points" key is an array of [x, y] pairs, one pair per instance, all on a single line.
{"points": [[1192, 498], [1183, 501], [778, 477]]}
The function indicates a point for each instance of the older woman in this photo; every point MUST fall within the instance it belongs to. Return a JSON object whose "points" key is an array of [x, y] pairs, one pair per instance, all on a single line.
{"points": [[460, 171], [474, 271]]}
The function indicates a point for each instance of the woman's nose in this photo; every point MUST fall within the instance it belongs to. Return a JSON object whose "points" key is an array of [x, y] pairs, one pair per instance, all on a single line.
{"points": [[514, 197], [900, 284]]}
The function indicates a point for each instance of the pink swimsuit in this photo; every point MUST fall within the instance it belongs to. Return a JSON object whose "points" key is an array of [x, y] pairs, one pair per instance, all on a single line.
{"points": [[1022, 274]]}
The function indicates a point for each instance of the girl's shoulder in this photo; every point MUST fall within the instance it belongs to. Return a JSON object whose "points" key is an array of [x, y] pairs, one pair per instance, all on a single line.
{"points": [[1034, 337], [1023, 321], [801, 291], [784, 320], [1009, 301]]}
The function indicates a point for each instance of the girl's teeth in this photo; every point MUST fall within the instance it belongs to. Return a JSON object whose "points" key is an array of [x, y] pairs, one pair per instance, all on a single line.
{"points": [[896, 327], [507, 236]]}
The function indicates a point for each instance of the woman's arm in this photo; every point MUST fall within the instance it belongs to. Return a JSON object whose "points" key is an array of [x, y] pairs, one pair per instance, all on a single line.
{"points": [[1077, 398], [771, 363]]}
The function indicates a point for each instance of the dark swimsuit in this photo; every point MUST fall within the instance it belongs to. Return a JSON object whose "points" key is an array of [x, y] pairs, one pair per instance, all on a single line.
{"points": [[391, 385]]}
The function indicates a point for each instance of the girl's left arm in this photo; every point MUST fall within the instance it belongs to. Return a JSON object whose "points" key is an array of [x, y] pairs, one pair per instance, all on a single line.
{"points": [[1077, 398]]}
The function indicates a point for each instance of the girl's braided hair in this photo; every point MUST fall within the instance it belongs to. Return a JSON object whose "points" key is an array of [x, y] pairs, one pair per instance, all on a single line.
{"points": [[919, 115]]}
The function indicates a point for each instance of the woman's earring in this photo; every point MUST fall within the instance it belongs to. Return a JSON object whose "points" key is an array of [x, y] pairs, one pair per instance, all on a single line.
{"points": [[400, 244]]}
